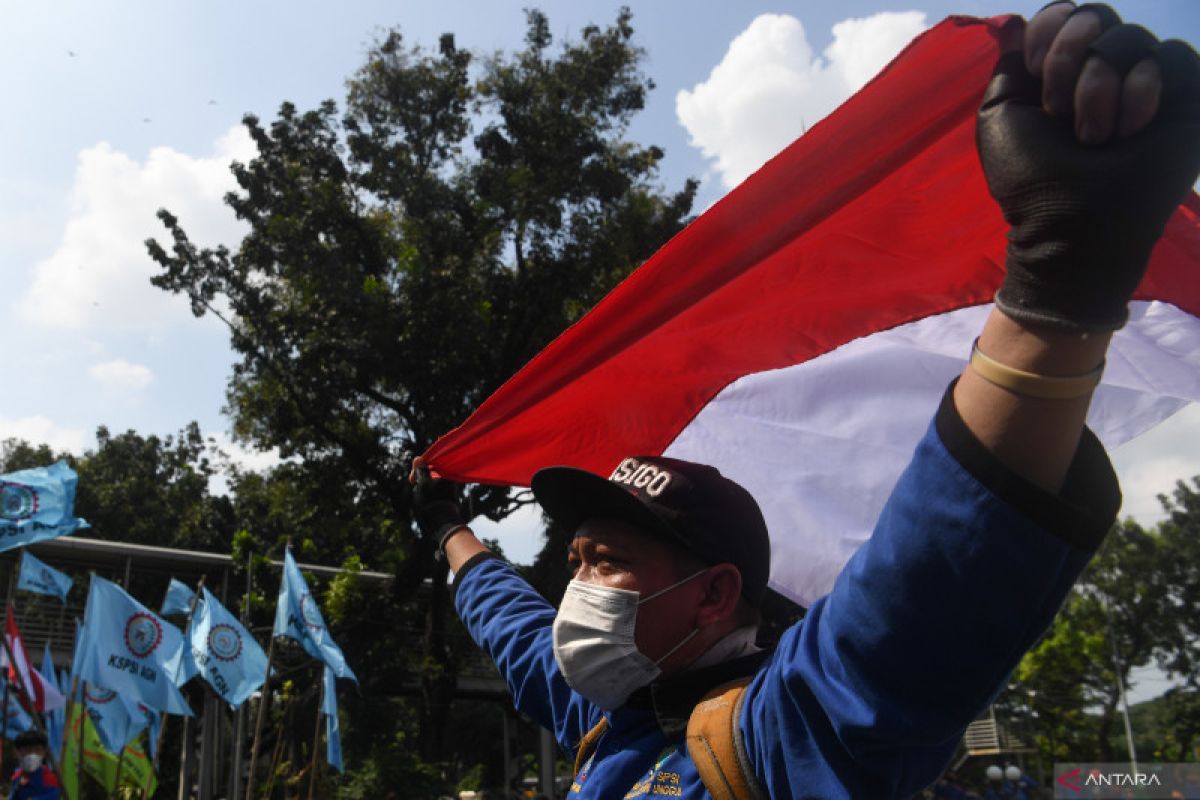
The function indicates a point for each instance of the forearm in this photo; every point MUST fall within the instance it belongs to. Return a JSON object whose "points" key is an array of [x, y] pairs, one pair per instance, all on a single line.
{"points": [[461, 546], [1034, 437]]}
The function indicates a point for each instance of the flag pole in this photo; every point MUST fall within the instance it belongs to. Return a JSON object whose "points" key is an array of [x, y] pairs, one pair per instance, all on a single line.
{"points": [[162, 729], [262, 714], [120, 768], [313, 765], [262, 704], [82, 730]]}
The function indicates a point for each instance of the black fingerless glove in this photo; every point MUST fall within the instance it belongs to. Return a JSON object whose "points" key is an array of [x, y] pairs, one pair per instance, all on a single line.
{"points": [[1085, 217], [436, 507]]}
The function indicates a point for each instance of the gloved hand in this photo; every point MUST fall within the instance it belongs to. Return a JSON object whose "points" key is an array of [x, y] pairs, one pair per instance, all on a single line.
{"points": [[1085, 217], [435, 505]]}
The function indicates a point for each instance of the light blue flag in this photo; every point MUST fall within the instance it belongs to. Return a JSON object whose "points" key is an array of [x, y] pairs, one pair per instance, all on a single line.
{"points": [[333, 729], [37, 504], [224, 652], [42, 579], [55, 719], [16, 719], [110, 716], [126, 647], [298, 616], [179, 598]]}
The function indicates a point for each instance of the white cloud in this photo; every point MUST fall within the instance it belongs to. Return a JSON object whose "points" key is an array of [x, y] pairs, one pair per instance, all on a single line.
{"points": [[121, 376], [1151, 464], [99, 275], [38, 430], [770, 87], [244, 458]]}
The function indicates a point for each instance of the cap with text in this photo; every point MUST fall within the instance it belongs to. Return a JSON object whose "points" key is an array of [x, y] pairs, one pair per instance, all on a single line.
{"points": [[692, 505]]}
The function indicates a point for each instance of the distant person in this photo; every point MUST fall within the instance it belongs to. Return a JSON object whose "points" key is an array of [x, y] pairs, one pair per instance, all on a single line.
{"points": [[33, 780]]}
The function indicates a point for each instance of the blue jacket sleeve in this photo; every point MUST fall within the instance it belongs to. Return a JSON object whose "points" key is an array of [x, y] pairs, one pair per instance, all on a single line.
{"points": [[512, 623], [868, 696]]}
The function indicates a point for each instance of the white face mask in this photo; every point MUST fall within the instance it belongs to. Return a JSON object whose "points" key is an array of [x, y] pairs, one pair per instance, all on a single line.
{"points": [[31, 762], [594, 643]]}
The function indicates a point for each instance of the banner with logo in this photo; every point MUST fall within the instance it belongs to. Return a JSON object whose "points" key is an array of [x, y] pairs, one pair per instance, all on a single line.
{"points": [[37, 504], [100, 764], [297, 615], [224, 652], [110, 716], [126, 647], [40, 578]]}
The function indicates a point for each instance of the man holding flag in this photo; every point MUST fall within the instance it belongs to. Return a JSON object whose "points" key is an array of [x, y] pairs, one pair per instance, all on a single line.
{"points": [[1089, 134]]}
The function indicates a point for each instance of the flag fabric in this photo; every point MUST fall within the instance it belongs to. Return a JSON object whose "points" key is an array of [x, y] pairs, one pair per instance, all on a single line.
{"points": [[16, 719], [799, 334], [333, 729], [41, 691], [297, 615], [224, 652], [101, 764], [110, 716], [40, 578], [38, 504], [125, 647], [178, 599], [56, 718]]}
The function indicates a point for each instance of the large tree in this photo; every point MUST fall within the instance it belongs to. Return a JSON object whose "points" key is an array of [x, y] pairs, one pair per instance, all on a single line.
{"points": [[408, 254]]}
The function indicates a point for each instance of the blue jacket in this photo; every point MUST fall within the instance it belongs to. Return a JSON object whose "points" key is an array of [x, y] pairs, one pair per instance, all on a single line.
{"points": [[869, 694], [40, 785]]}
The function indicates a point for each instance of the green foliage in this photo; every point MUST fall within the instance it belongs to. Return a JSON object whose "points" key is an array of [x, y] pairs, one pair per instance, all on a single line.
{"points": [[153, 490], [403, 257], [345, 594], [1136, 605]]}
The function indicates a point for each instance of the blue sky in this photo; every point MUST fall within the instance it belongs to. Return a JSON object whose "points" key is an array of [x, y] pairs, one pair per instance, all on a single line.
{"points": [[117, 108]]}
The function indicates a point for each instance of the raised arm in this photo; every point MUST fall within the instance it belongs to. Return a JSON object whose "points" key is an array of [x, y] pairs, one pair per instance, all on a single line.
{"points": [[1090, 138]]}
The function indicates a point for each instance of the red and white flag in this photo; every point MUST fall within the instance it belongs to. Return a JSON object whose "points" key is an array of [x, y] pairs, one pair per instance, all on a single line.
{"points": [[42, 694], [800, 333]]}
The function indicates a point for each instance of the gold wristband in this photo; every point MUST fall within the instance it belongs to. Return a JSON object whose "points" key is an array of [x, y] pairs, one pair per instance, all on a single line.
{"points": [[1030, 384]]}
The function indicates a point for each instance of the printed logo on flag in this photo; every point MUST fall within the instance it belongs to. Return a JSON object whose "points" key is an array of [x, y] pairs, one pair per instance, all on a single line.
{"points": [[17, 501], [143, 634], [224, 642], [98, 695], [311, 612]]}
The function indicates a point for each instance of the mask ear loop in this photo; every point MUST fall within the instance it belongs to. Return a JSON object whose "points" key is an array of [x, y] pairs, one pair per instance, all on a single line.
{"points": [[691, 635], [682, 642], [661, 592]]}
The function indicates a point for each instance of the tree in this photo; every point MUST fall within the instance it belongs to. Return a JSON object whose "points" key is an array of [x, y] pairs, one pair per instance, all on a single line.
{"points": [[1066, 689], [405, 258]]}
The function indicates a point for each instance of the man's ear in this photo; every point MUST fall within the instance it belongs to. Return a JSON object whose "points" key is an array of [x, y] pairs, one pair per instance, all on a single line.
{"points": [[722, 592]]}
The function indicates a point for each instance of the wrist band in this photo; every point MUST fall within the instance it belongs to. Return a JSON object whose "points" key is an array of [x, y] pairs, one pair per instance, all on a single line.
{"points": [[447, 532], [1030, 384]]}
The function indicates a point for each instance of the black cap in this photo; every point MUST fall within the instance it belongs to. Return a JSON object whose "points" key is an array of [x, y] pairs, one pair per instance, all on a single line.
{"points": [[689, 504]]}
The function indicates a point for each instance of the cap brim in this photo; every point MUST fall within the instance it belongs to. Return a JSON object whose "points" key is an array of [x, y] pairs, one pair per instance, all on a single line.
{"points": [[571, 496]]}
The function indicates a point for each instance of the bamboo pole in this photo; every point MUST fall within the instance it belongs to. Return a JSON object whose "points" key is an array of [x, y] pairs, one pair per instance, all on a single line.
{"points": [[262, 704], [262, 714], [313, 765], [120, 768], [184, 777]]}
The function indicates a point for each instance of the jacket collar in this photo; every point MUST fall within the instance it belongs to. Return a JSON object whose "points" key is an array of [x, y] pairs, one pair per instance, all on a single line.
{"points": [[673, 697]]}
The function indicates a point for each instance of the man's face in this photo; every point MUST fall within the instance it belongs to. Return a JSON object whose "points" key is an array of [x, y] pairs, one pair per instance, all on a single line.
{"points": [[614, 554], [37, 748]]}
